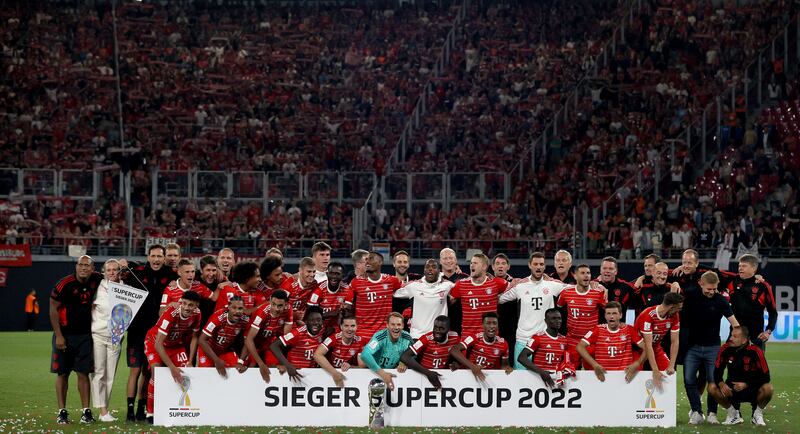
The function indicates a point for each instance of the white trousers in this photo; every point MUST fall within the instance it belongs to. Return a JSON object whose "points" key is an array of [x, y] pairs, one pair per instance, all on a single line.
{"points": [[106, 357]]}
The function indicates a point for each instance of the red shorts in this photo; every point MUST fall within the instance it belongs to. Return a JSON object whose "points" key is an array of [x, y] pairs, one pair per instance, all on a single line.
{"points": [[661, 357], [576, 361], [178, 355], [229, 358]]}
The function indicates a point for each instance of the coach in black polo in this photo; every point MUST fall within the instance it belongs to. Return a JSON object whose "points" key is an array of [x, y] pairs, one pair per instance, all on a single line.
{"points": [[71, 318]]}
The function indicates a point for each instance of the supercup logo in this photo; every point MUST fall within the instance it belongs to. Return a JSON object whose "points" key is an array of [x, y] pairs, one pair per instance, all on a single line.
{"points": [[121, 316], [376, 392], [184, 400]]}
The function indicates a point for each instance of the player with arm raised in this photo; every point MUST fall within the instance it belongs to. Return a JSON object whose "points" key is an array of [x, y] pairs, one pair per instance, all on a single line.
{"points": [[218, 336], [652, 324], [267, 323], [340, 351], [385, 348], [301, 343], [546, 353], [478, 294], [433, 349], [373, 296], [245, 281], [613, 345], [485, 350], [166, 343], [430, 298]]}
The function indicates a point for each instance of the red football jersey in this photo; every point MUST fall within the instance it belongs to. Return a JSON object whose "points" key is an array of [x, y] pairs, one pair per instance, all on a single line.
{"points": [[477, 299], [613, 350], [339, 352], [268, 326], [434, 354], [298, 296], [173, 295], [648, 322], [251, 298], [221, 333], [301, 346], [373, 302], [330, 301], [485, 354], [549, 353], [177, 329], [583, 310]]}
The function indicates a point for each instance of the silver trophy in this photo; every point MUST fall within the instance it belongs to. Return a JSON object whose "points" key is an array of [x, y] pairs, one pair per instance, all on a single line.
{"points": [[377, 390]]}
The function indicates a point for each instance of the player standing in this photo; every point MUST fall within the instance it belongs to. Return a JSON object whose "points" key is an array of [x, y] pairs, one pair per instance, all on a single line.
{"points": [[373, 296], [750, 298], [478, 294], [334, 297], [321, 254], [186, 282], [301, 287], [245, 280], [583, 304], [429, 298]]}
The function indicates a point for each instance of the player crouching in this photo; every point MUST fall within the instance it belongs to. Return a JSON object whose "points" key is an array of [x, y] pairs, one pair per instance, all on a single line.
{"points": [[166, 343], [216, 341]]}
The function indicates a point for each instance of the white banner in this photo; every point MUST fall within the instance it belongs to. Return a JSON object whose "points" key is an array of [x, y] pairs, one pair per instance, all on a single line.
{"points": [[123, 302], [518, 399]]}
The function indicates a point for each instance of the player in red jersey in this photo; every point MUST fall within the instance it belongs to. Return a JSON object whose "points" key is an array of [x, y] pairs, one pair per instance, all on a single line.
{"points": [[484, 349], [655, 322], [301, 343], [341, 350], [433, 349], [186, 282], [268, 322], [613, 345], [373, 297], [216, 340], [245, 280], [478, 293], [584, 303], [166, 343], [300, 289], [334, 297], [546, 353]]}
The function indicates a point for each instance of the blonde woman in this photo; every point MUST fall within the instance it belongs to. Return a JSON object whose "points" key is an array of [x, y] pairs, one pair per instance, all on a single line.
{"points": [[106, 354]]}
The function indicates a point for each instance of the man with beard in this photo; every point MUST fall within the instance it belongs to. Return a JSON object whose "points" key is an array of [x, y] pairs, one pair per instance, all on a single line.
{"points": [[433, 349], [429, 297], [245, 280], [301, 343], [401, 261], [152, 277], [536, 296], [341, 350], [485, 350], [207, 275], [218, 336], [583, 304], [478, 294]]}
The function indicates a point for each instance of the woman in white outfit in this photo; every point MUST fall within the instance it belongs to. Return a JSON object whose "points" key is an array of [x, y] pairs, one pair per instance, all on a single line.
{"points": [[106, 354]]}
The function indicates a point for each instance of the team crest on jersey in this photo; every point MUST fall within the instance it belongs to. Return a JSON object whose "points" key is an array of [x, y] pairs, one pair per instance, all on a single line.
{"points": [[617, 292], [352, 352], [546, 291], [339, 299], [668, 324], [489, 291], [496, 352], [589, 302], [385, 286], [562, 346]]}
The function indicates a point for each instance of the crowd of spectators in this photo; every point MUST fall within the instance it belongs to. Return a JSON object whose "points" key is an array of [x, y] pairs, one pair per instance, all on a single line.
{"points": [[205, 88]]}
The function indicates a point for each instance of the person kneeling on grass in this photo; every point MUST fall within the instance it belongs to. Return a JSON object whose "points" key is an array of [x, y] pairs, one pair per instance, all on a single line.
{"points": [[216, 341], [748, 378]]}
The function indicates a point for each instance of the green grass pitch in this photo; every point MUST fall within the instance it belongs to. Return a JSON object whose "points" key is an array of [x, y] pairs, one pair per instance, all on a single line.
{"points": [[27, 398]]}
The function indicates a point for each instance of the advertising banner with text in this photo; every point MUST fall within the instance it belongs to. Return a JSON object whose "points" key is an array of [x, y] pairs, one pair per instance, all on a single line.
{"points": [[518, 399]]}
